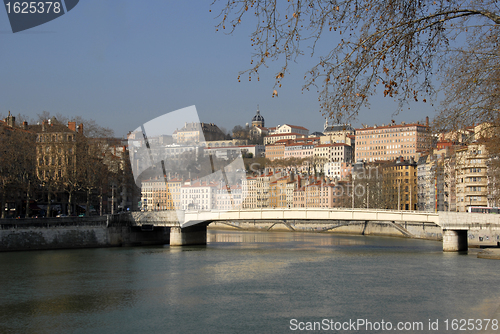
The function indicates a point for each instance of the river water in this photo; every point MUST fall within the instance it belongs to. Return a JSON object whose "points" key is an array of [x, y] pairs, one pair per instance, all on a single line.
{"points": [[250, 282]]}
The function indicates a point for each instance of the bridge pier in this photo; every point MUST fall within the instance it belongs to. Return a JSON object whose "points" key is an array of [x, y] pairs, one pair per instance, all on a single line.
{"points": [[193, 235], [455, 240]]}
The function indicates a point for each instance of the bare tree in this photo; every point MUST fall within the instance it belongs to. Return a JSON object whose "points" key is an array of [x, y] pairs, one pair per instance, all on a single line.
{"points": [[395, 46], [472, 86], [17, 161]]}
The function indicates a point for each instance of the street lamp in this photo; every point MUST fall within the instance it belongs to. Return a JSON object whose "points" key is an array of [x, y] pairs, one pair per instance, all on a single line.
{"points": [[353, 191], [367, 195], [399, 196]]}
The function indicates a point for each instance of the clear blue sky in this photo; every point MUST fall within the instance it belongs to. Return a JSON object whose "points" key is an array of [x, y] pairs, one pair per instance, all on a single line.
{"points": [[123, 63]]}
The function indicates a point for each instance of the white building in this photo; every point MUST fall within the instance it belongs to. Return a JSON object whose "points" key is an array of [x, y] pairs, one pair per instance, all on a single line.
{"points": [[287, 128], [196, 195]]}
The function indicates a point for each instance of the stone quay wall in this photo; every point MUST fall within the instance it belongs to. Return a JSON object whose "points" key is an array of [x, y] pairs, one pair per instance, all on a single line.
{"points": [[78, 232]]}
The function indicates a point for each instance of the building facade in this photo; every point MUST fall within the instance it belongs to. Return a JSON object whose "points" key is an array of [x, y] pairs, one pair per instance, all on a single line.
{"points": [[389, 142]]}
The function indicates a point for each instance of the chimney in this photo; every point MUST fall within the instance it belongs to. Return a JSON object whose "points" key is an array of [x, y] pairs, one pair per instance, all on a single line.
{"points": [[72, 126], [427, 121], [80, 128], [25, 125], [11, 120], [44, 125]]}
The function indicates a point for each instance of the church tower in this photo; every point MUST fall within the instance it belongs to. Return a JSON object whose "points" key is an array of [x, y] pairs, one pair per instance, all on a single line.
{"points": [[258, 120]]}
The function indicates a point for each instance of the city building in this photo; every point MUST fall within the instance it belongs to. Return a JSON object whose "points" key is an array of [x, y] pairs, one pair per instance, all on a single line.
{"points": [[400, 178], [198, 195], [431, 191], [337, 152], [158, 194], [471, 176], [276, 150], [287, 128], [272, 138], [337, 170], [389, 142], [299, 150], [192, 133], [228, 198], [339, 133]]}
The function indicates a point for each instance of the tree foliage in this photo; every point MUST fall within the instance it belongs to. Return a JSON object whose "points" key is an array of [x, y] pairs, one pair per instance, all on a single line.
{"points": [[393, 47]]}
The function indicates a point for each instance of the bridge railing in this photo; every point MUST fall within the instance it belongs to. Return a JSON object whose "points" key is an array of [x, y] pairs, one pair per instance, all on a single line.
{"points": [[195, 217]]}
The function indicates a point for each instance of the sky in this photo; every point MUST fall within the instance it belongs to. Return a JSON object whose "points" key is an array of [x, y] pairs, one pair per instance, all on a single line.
{"points": [[124, 63]]}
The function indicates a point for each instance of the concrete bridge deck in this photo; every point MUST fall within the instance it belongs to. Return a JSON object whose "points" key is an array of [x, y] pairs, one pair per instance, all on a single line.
{"points": [[454, 225]]}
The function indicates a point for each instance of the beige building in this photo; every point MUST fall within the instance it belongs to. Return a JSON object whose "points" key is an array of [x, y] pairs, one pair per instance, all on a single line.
{"points": [[388, 142], [197, 132], [276, 150], [156, 195], [249, 191], [271, 139], [340, 133], [471, 177]]}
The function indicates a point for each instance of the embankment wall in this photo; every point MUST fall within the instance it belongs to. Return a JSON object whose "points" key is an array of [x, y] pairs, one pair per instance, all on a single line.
{"points": [[77, 232]]}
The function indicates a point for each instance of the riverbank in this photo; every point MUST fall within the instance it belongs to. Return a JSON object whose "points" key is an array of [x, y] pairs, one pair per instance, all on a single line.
{"points": [[77, 232]]}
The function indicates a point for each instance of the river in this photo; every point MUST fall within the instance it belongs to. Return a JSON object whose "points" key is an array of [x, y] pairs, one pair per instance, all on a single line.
{"points": [[250, 282]]}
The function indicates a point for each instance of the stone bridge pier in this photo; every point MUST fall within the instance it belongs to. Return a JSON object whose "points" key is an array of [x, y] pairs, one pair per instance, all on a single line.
{"points": [[189, 236], [455, 240]]}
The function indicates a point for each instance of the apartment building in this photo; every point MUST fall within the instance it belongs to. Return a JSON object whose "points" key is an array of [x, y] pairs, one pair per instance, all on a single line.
{"points": [[156, 194], [471, 177], [401, 184], [228, 198], [273, 138], [432, 195], [281, 192], [389, 142], [197, 132], [337, 170], [198, 195], [276, 150], [339, 133], [299, 150], [337, 152], [318, 193]]}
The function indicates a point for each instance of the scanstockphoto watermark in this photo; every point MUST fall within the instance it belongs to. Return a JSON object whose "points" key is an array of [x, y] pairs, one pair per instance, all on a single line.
{"points": [[358, 185], [354, 325], [24, 15], [360, 325]]}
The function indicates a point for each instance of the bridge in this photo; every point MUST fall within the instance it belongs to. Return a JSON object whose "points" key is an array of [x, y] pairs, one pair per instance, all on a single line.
{"points": [[190, 227]]}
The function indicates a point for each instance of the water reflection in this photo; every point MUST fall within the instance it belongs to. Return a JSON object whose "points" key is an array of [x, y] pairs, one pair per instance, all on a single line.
{"points": [[295, 239], [242, 282]]}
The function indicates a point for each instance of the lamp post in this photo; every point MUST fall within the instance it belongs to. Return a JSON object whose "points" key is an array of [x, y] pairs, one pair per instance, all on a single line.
{"points": [[411, 186], [112, 199], [399, 196], [352, 192], [367, 195]]}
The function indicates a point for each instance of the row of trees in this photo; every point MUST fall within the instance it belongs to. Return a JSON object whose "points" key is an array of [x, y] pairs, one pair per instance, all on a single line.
{"points": [[50, 164]]}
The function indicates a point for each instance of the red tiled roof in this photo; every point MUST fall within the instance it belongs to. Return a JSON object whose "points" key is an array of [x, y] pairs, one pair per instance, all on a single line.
{"points": [[296, 127]]}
